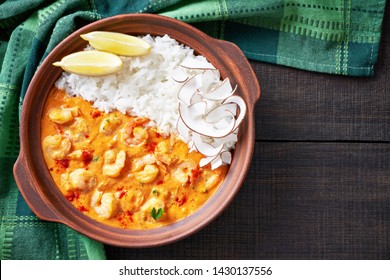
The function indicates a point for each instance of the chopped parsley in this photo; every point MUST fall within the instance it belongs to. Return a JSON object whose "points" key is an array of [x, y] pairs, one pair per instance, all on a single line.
{"points": [[156, 214]]}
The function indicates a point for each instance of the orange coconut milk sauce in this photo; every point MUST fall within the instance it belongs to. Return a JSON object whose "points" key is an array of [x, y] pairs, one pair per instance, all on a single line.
{"points": [[117, 170]]}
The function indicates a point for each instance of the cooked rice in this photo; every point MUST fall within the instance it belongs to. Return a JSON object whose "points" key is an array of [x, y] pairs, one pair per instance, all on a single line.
{"points": [[143, 87]]}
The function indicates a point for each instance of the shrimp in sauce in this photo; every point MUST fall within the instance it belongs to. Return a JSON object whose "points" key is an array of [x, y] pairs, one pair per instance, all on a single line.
{"points": [[120, 171]]}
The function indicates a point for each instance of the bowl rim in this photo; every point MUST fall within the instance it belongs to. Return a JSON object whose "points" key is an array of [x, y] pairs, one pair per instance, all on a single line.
{"points": [[49, 204]]}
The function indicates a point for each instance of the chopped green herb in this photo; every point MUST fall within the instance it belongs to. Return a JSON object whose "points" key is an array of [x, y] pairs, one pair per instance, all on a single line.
{"points": [[156, 214], [95, 158], [154, 191]]}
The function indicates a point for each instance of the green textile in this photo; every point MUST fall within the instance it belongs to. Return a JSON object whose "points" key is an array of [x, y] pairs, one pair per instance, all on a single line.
{"points": [[337, 37]]}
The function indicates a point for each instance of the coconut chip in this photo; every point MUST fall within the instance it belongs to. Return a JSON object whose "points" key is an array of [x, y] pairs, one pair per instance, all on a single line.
{"points": [[209, 112]]}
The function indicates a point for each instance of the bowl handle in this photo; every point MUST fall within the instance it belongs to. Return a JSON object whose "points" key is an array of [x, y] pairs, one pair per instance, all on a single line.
{"points": [[241, 64], [33, 199]]}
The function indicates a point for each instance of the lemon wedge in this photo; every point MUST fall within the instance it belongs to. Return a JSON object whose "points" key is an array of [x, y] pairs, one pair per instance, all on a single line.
{"points": [[118, 43], [90, 63]]}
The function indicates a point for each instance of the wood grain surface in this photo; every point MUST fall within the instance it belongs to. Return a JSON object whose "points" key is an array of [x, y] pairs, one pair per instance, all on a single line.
{"points": [[319, 183]]}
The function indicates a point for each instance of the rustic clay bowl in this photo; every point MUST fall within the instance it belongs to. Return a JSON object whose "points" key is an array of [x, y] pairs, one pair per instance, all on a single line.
{"points": [[33, 177]]}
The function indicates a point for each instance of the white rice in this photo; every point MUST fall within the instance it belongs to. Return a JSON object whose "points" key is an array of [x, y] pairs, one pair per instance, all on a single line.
{"points": [[143, 87]]}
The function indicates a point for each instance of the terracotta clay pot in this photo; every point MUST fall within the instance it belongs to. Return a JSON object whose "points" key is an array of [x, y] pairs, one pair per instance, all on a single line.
{"points": [[34, 179]]}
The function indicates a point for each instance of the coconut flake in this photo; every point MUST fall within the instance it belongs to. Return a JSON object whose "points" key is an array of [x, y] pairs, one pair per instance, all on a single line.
{"points": [[208, 79], [193, 63], [221, 112], [204, 148], [217, 162], [199, 125], [179, 75], [206, 160], [209, 112], [241, 104], [220, 92], [182, 129], [189, 88], [226, 157], [197, 109]]}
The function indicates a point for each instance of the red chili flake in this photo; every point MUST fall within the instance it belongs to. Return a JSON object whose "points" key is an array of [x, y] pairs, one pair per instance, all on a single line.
{"points": [[125, 218], [82, 208], [122, 194], [64, 163], [159, 182], [72, 196], [95, 114], [51, 169], [86, 136], [69, 197], [195, 173], [158, 135], [181, 201], [87, 156], [151, 147], [130, 216]]}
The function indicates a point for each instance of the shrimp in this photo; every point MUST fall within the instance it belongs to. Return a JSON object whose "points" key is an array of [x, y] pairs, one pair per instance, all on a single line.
{"points": [[84, 155], [133, 134], [77, 130], [162, 153], [113, 165], [148, 174], [109, 124], [163, 193], [104, 204], [63, 115], [210, 181], [82, 179], [131, 200], [184, 172], [76, 155], [146, 168], [56, 146], [139, 163], [144, 213]]}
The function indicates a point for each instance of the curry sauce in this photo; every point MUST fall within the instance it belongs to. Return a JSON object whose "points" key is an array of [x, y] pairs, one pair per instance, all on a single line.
{"points": [[118, 169]]}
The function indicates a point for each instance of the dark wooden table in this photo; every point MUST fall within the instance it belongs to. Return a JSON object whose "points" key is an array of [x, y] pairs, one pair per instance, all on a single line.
{"points": [[319, 183]]}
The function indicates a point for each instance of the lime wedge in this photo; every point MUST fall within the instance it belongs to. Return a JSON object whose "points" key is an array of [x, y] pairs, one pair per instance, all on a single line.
{"points": [[90, 63], [118, 43]]}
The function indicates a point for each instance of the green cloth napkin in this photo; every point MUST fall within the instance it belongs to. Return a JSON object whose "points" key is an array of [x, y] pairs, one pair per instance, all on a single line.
{"points": [[338, 37]]}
